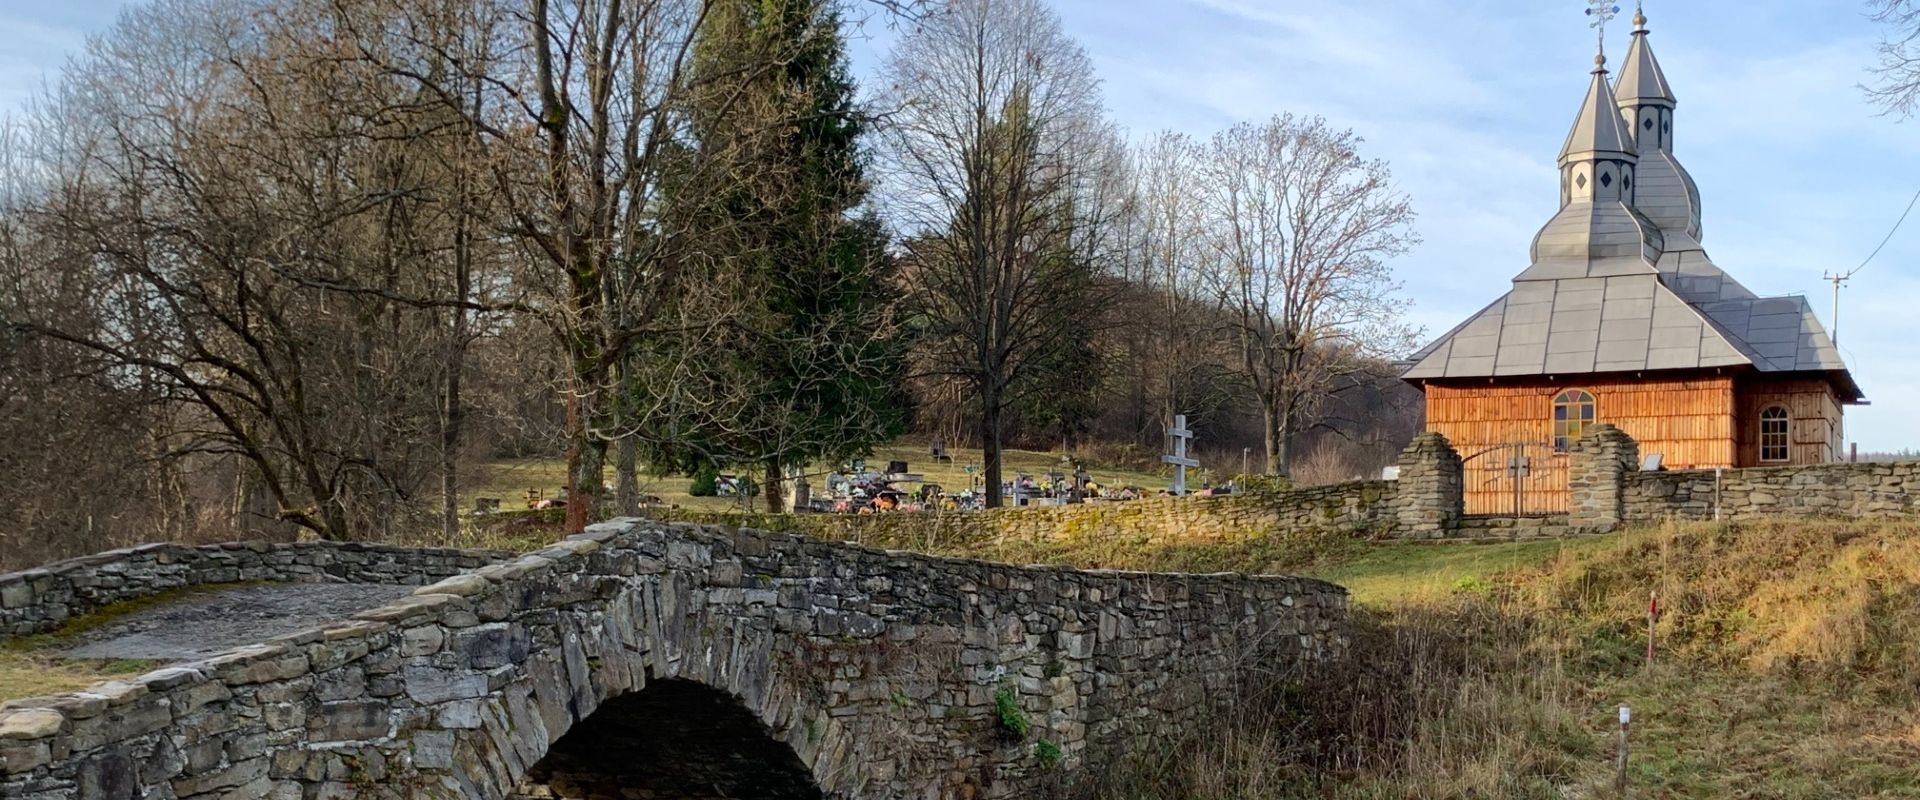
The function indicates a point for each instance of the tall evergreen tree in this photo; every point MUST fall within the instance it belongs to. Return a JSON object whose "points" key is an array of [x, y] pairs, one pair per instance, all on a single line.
{"points": [[808, 367]]}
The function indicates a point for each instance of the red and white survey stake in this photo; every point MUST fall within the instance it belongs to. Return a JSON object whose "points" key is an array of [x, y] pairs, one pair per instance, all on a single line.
{"points": [[1653, 618]]}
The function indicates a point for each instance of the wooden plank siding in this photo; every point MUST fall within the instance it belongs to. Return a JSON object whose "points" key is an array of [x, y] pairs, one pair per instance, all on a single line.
{"points": [[1690, 421], [1816, 429]]}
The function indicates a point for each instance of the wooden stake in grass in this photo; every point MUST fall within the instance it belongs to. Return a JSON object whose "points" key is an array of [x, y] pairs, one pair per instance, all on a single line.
{"points": [[1653, 618], [1626, 715]]}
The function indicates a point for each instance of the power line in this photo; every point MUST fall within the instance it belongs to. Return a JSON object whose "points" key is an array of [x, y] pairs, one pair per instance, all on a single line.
{"points": [[1883, 242], [1840, 279]]}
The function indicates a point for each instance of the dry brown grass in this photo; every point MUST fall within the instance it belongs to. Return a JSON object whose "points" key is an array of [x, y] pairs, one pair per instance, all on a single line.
{"points": [[34, 675], [1789, 665]]}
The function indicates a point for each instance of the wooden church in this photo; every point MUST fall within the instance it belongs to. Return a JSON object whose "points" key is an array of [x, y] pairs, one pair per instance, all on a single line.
{"points": [[1622, 317]]}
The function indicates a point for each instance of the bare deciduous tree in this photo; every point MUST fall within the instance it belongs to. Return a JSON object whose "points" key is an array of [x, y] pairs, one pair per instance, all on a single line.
{"points": [[994, 99], [1898, 88], [1302, 227]]}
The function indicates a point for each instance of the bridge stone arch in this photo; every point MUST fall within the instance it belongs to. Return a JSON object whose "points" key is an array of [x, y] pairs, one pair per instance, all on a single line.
{"points": [[864, 673], [675, 738]]}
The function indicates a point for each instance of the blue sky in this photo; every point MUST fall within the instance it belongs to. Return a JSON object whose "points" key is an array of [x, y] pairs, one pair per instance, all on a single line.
{"points": [[1469, 100]]}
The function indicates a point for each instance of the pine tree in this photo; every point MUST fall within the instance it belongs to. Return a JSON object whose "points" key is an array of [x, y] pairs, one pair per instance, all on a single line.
{"points": [[808, 367]]}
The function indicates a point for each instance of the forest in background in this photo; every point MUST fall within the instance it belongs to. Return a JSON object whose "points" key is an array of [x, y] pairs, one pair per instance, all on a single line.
{"points": [[300, 267]]}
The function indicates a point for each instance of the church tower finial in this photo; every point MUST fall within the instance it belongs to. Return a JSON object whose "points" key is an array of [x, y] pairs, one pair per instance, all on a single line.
{"points": [[1597, 231], [1643, 95], [1647, 105], [1602, 12], [1596, 163]]}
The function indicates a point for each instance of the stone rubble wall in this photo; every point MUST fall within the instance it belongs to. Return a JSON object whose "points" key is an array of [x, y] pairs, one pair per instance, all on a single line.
{"points": [[1360, 507], [1551, 526], [1873, 490], [1597, 467], [41, 599], [1432, 496], [878, 668]]}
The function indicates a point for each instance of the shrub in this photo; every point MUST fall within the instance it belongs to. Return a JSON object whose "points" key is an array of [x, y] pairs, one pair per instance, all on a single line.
{"points": [[1047, 753], [1006, 709], [706, 482]]}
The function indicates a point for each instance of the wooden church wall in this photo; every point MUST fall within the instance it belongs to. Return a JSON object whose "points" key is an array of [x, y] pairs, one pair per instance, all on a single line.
{"points": [[1690, 422], [1817, 429]]}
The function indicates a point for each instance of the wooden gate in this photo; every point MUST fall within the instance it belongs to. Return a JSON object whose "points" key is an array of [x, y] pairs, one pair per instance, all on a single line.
{"points": [[1517, 479]]}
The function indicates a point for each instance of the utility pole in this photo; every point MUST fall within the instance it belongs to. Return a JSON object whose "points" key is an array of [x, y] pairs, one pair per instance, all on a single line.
{"points": [[1839, 280]]}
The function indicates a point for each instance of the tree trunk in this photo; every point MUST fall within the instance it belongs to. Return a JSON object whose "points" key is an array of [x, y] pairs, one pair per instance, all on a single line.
{"points": [[452, 413], [626, 479], [588, 474], [586, 462], [1285, 453], [774, 488], [990, 443], [1276, 438], [451, 418]]}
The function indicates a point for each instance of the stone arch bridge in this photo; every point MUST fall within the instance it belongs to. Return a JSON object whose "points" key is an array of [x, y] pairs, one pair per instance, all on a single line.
{"points": [[644, 660]]}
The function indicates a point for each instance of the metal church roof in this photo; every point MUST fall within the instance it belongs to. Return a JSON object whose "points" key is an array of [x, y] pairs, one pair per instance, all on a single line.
{"points": [[1598, 131], [1619, 281], [1640, 75]]}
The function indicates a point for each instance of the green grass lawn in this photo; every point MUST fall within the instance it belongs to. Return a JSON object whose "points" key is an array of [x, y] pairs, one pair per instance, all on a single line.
{"points": [[1393, 572]]}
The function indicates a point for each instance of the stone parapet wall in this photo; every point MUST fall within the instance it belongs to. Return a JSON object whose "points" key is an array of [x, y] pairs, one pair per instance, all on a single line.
{"points": [[1359, 507], [889, 674], [41, 599], [1825, 490]]}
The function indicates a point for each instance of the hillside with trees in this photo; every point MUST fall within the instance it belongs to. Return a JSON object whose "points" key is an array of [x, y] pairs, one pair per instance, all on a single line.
{"points": [[305, 268]]}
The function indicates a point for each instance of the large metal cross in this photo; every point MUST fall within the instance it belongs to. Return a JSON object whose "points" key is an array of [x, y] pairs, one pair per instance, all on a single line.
{"points": [[1602, 12], [1179, 436]]}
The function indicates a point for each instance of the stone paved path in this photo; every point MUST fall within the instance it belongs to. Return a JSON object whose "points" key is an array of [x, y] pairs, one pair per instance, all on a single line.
{"points": [[205, 624]]}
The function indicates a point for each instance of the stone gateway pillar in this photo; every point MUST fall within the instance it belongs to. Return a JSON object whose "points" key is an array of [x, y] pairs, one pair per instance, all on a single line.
{"points": [[1597, 470], [1429, 499]]}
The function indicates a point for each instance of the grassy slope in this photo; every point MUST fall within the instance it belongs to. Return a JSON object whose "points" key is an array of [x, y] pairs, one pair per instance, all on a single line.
{"points": [[509, 480], [1790, 666]]}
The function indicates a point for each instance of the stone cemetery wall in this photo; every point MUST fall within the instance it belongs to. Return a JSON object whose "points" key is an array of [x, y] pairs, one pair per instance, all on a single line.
{"points": [[1825, 490], [38, 600], [1359, 507], [889, 675]]}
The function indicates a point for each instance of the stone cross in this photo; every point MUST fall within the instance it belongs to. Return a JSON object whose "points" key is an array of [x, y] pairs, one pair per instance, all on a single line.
{"points": [[1178, 458]]}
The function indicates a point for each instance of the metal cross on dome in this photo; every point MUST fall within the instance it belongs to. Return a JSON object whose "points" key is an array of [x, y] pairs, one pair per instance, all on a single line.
{"points": [[1602, 12]]}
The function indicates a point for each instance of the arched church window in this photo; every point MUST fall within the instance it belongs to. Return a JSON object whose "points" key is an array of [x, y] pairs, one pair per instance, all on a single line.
{"points": [[1573, 413], [1775, 439]]}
